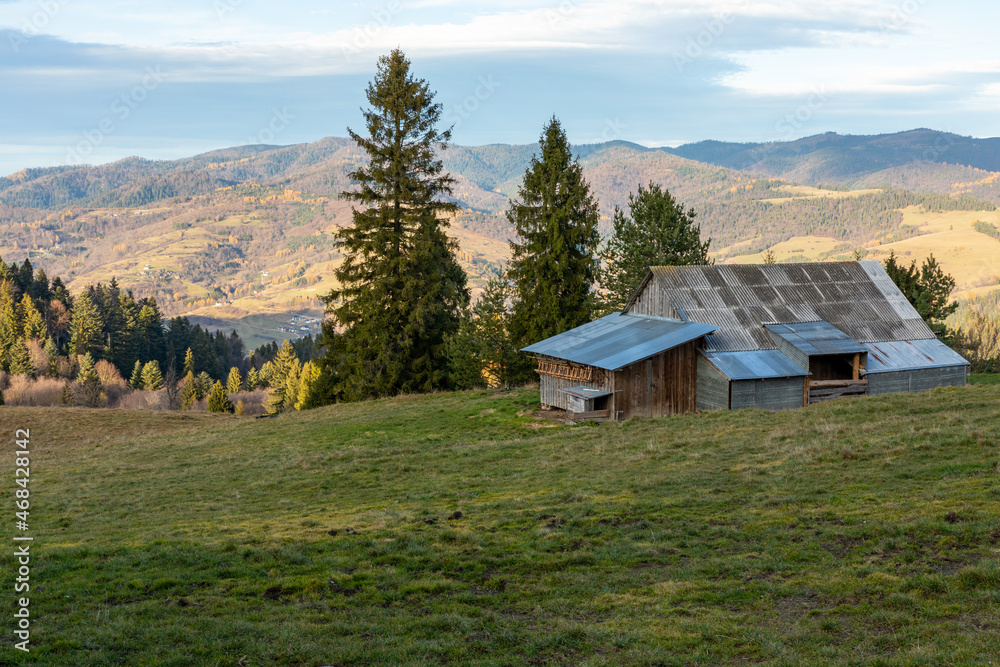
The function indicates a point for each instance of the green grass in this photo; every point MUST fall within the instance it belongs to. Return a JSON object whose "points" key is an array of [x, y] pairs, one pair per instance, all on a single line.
{"points": [[985, 378], [859, 532]]}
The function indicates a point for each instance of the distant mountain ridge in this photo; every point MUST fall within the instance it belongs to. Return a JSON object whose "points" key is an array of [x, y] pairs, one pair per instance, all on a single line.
{"points": [[252, 227], [847, 159]]}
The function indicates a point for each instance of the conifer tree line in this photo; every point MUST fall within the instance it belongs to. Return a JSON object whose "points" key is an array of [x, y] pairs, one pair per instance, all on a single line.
{"points": [[104, 342], [401, 320]]}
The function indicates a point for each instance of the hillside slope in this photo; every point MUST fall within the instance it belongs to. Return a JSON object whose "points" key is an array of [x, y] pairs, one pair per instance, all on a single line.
{"points": [[460, 528], [244, 236]]}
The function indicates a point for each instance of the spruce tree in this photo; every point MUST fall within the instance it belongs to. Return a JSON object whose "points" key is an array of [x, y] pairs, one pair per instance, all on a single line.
{"points": [[401, 289], [552, 263], [483, 352], [152, 377], [283, 378], [86, 370], [31, 320], [88, 384], [189, 394], [136, 380], [53, 354], [657, 232], [20, 360], [203, 384], [218, 401], [188, 361], [928, 289], [85, 327], [151, 341], [8, 322], [234, 383]]}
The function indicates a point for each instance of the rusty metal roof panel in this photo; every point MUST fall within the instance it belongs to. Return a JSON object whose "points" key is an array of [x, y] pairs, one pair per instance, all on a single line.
{"points": [[857, 298], [755, 365], [908, 355], [619, 340]]}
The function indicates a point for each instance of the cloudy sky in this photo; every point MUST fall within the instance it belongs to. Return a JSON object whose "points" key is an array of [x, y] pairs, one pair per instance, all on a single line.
{"points": [[97, 81]]}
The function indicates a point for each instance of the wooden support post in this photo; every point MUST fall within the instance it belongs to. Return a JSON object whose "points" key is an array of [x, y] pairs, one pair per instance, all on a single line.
{"points": [[857, 366], [805, 391]]}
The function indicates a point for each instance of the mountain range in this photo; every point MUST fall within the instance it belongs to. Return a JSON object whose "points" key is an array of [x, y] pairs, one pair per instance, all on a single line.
{"points": [[247, 231]]}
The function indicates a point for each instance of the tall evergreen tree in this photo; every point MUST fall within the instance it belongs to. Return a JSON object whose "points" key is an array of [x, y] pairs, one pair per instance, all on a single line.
{"points": [[32, 321], [85, 327], [284, 374], [401, 289], [151, 338], [9, 326], [60, 293], [127, 352], [189, 394], [26, 276], [928, 288], [483, 352], [52, 352], [189, 362], [553, 263], [657, 232], [20, 360], [135, 381], [88, 391], [40, 290]]}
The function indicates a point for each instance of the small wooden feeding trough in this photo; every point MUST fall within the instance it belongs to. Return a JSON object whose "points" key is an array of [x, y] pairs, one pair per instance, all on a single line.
{"points": [[583, 403]]}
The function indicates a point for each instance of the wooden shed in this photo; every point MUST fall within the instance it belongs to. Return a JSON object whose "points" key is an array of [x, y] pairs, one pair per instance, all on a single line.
{"points": [[621, 366], [772, 336]]}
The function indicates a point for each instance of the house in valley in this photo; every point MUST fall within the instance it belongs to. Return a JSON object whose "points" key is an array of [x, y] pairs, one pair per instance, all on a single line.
{"points": [[772, 336]]}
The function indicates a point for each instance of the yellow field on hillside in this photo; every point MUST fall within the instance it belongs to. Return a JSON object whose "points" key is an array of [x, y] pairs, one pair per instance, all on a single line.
{"points": [[800, 248], [809, 192], [972, 258]]}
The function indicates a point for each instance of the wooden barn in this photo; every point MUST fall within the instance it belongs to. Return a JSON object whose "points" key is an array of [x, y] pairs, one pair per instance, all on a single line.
{"points": [[621, 366], [771, 336]]}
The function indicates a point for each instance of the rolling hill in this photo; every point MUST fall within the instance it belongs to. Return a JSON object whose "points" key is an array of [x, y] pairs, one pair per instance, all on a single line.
{"points": [[243, 236], [465, 528]]}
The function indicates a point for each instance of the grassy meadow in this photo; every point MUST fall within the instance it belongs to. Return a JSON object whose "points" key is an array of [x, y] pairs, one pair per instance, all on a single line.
{"points": [[465, 529]]}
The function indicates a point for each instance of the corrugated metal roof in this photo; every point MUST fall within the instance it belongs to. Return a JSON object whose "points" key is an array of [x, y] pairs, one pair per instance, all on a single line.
{"points": [[584, 391], [858, 298], [906, 355], [619, 339], [816, 338], [755, 364]]}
